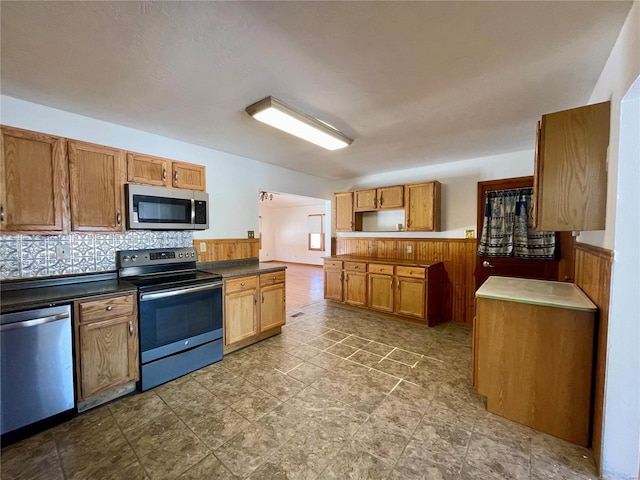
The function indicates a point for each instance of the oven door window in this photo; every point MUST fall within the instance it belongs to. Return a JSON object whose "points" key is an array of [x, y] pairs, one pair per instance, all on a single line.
{"points": [[177, 318], [161, 210]]}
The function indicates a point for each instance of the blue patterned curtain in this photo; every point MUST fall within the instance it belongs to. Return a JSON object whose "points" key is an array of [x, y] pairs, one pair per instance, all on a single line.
{"points": [[507, 231]]}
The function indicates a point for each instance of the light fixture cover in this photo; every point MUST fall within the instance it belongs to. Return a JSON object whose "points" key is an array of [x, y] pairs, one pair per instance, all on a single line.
{"points": [[273, 112]]}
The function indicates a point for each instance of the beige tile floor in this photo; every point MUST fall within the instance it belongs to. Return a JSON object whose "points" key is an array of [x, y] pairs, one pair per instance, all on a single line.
{"points": [[340, 394]]}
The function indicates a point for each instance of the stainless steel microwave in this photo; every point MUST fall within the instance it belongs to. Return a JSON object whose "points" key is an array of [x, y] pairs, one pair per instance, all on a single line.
{"points": [[162, 208]]}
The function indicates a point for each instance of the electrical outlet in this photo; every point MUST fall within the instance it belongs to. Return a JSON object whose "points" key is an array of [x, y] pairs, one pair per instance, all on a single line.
{"points": [[250, 233], [470, 234], [63, 252], [203, 247], [409, 249]]}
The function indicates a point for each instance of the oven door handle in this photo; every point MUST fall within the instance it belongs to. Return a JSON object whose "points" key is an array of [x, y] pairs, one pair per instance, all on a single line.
{"points": [[179, 291]]}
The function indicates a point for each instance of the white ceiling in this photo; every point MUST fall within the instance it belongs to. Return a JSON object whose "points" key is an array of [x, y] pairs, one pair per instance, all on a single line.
{"points": [[414, 83]]}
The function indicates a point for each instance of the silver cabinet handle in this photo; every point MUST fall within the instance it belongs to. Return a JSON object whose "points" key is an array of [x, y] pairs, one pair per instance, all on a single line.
{"points": [[130, 328], [119, 218], [381, 200], [164, 174], [181, 291], [486, 264], [1, 213], [242, 284], [109, 308], [175, 176], [34, 322], [262, 297]]}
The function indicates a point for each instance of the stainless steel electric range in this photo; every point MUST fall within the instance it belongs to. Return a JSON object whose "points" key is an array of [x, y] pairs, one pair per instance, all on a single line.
{"points": [[180, 312]]}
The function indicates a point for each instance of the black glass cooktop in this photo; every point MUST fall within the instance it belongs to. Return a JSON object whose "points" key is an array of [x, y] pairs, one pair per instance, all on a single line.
{"points": [[160, 281]]}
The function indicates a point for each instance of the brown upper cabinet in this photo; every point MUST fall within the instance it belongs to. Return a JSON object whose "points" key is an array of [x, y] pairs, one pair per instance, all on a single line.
{"points": [[96, 187], [33, 183], [162, 172], [344, 219], [570, 176], [384, 198], [422, 207]]}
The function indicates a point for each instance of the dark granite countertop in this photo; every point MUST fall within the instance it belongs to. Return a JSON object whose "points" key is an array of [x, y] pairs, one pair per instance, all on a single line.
{"points": [[24, 294], [394, 261], [239, 268]]}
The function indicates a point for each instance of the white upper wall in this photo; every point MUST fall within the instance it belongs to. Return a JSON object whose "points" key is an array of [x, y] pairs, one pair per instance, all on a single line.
{"points": [[619, 73], [233, 182], [459, 188]]}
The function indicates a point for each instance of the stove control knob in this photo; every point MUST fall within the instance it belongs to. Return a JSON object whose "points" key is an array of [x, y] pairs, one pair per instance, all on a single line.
{"points": [[134, 258], [125, 258], [180, 254], [193, 254]]}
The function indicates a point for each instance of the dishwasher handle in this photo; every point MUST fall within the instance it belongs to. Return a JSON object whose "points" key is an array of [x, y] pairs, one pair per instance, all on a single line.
{"points": [[34, 322]]}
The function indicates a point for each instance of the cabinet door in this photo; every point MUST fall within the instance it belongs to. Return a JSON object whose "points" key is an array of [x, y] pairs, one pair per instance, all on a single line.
{"points": [[410, 297], [355, 291], [343, 215], [381, 292], [189, 176], [422, 207], [240, 316], [333, 284], [96, 182], [108, 355], [570, 178], [365, 200], [33, 183], [148, 170], [391, 197], [272, 307]]}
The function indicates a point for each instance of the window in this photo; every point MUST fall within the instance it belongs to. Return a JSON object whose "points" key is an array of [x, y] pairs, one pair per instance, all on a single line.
{"points": [[316, 232]]}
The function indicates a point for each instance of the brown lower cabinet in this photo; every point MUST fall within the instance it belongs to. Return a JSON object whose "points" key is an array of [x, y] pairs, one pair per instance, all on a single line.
{"points": [[397, 288], [254, 308], [106, 331]]}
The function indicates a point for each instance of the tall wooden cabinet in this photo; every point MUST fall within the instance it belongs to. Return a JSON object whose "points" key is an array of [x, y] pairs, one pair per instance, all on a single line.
{"points": [[34, 183], [96, 187], [106, 332], [422, 207], [344, 219], [570, 176], [273, 305]]}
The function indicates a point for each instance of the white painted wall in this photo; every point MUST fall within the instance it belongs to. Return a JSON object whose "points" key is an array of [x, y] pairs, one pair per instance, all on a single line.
{"points": [[459, 189], [232, 181], [622, 385], [620, 71], [621, 445], [285, 234]]}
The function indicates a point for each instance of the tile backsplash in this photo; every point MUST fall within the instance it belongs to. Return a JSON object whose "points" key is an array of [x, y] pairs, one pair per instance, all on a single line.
{"points": [[36, 255]]}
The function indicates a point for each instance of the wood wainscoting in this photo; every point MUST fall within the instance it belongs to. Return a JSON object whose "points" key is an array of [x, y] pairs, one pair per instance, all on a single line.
{"points": [[457, 254], [593, 276], [227, 249]]}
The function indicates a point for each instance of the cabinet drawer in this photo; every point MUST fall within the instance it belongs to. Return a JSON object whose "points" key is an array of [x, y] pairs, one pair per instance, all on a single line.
{"points": [[105, 308], [272, 278], [333, 264], [240, 284], [355, 266], [382, 269], [413, 272]]}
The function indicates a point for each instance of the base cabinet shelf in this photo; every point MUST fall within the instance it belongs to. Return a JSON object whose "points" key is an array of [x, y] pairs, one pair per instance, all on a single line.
{"points": [[106, 332], [410, 291], [254, 308]]}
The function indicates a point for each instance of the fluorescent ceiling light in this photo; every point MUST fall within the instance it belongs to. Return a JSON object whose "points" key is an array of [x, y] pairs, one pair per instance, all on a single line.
{"points": [[275, 113]]}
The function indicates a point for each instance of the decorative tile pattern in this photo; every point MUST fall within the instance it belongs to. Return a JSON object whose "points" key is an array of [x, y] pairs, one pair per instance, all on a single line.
{"points": [[272, 410], [23, 256]]}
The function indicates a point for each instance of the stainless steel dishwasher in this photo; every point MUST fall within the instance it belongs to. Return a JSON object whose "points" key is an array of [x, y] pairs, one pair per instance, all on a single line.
{"points": [[37, 366]]}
